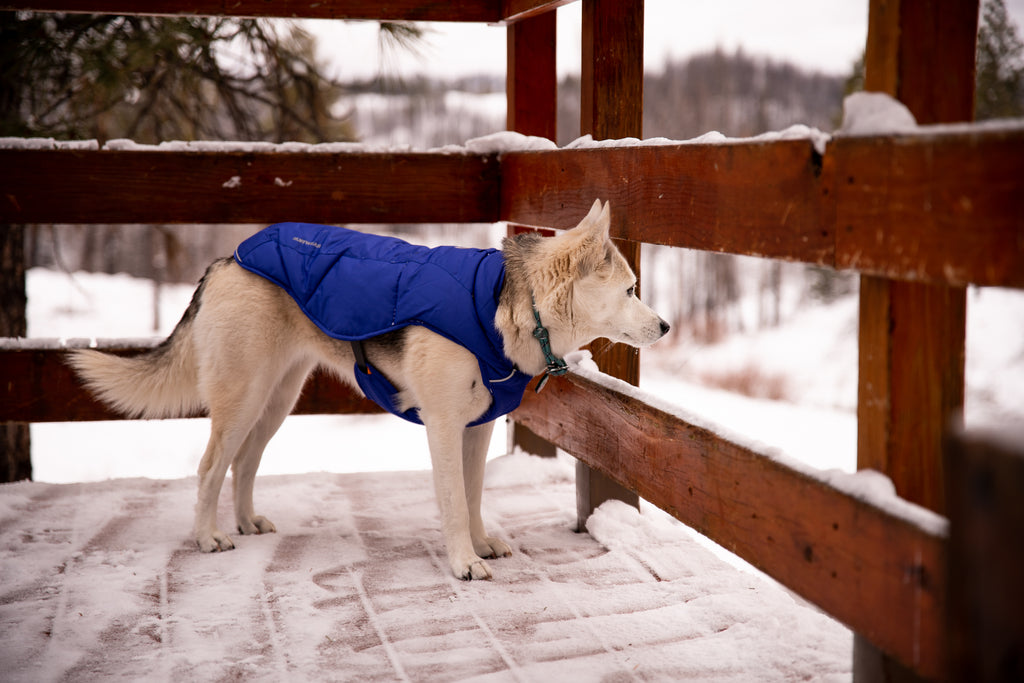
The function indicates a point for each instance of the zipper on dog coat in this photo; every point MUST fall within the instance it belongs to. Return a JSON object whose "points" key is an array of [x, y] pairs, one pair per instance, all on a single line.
{"points": [[356, 286]]}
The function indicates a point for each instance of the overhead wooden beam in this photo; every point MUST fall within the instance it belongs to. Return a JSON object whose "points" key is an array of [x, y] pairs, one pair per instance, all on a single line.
{"points": [[517, 10], [394, 10], [69, 186], [37, 385], [880, 573]]}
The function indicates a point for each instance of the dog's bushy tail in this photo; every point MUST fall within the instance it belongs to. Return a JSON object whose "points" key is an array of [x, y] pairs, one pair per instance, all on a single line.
{"points": [[159, 383]]}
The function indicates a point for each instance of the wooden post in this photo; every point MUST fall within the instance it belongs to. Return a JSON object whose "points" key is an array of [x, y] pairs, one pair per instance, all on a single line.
{"points": [[15, 437], [612, 94], [986, 557], [531, 87], [911, 368]]}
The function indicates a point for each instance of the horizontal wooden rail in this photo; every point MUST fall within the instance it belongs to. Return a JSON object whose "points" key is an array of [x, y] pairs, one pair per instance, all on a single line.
{"points": [[943, 206], [486, 11], [880, 572], [36, 385], [108, 186]]}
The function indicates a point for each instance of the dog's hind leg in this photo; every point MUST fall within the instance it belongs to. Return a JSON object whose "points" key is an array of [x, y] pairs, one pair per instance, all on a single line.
{"points": [[474, 457], [233, 414], [247, 460]]}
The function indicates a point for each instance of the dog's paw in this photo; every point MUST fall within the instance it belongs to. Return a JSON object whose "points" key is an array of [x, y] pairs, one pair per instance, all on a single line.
{"points": [[475, 570], [215, 542], [491, 547], [257, 525]]}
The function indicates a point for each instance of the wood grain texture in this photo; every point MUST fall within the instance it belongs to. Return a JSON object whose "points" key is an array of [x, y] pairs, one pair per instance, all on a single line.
{"points": [[37, 385], [611, 106], [531, 79], [912, 335], [942, 208], [241, 187], [750, 198], [874, 571]]}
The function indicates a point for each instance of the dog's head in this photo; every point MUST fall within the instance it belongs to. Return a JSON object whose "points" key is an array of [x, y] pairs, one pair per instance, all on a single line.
{"points": [[594, 289]]}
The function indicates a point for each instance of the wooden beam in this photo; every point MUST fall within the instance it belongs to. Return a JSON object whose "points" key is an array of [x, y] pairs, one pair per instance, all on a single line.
{"points": [[749, 198], [532, 102], [611, 106], [879, 572], [518, 10], [38, 386], [394, 10], [106, 186], [951, 200], [912, 335], [943, 206], [531, 80]]}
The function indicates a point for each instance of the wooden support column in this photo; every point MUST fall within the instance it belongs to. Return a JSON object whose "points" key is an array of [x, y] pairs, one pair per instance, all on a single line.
{"points": [[911, 381], [612, 105], [531, 87], [985, 475]]}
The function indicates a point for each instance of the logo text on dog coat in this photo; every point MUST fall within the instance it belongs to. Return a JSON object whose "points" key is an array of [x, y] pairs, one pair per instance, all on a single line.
{"points": [[306, 242]]}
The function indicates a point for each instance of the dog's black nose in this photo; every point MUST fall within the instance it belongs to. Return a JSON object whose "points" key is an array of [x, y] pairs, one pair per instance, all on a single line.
{"points": [[665, 327]]}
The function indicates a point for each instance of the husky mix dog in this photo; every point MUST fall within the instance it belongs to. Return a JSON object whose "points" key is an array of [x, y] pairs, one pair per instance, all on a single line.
{"points": [[446, 337]]}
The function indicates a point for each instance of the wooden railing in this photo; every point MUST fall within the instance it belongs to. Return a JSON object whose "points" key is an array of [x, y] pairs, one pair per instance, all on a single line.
{"points": [[920, 215]]}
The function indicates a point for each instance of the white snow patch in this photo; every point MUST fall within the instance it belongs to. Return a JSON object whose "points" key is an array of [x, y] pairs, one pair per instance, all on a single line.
{"points": [[875, 113], [233, 182], [508, 141], [816, 137], [47, 143]]}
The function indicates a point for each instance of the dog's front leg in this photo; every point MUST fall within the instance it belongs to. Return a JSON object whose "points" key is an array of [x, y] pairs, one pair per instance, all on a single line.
{"points": [[474, 458], [445, 441]]}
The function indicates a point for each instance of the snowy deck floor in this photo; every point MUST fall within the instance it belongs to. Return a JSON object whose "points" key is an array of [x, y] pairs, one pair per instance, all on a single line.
{"points": [[101, 581]]}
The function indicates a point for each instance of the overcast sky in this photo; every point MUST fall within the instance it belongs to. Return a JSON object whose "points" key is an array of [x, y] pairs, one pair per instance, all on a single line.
{"points": [[824, 35]]}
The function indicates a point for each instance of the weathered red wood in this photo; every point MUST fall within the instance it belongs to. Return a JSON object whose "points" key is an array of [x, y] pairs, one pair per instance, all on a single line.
{"points": [[873, 570], [393, 10], [531, 80], [245, 187], [532, 101], [36, 385], [944, 208], [941, 207], [911, 359], [912, 335], [952, 201], [611, 106], [748, 198], [517, 10]]}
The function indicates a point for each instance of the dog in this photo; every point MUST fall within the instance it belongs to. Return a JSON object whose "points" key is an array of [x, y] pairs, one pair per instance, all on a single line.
{"points": [[253, 333]]}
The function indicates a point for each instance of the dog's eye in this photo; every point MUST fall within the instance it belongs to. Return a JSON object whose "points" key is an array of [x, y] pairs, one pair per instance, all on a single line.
{"points": [[631, 291]]}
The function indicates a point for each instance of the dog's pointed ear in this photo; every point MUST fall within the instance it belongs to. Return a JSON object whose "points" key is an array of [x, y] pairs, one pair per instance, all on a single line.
{"points": [[591, 238]]}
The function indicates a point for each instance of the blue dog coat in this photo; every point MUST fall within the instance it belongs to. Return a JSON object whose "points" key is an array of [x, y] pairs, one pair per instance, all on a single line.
{"points": [[355, 286]]}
